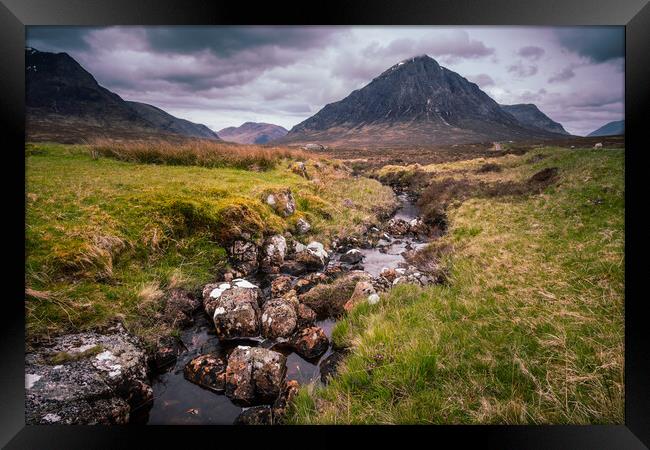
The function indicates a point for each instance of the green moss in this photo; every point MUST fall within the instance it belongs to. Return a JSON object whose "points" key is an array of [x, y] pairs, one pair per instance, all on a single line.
{"points": [[65, 357]]}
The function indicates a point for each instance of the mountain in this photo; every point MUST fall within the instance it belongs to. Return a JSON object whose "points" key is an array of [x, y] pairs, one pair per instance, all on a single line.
{"points": [[610, 129], [253, 133], [66, 104], [415, 102], [164, 121], [530, 116]]}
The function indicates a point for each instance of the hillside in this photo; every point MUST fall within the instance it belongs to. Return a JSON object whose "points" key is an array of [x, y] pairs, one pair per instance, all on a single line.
{"points": [[415, 102], [530, 115], [610, 129], [66, 104], [253, 133]]}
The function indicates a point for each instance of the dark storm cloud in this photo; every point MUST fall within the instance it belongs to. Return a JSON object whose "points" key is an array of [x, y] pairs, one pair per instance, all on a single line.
{"points": [[227, 40], [521, 70], [58, 39], [566, 74], [531, 52], [599, 44]]}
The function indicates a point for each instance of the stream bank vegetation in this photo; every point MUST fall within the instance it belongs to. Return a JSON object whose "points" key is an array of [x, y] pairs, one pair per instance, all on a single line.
{"points": [[529, 326], [112, 228]]}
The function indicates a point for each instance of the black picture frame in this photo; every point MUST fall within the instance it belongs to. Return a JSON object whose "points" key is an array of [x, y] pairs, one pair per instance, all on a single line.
{"points": [[633, 14]]}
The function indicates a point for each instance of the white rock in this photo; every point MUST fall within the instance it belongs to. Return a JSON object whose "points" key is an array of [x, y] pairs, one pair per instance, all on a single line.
{"points": [[373, 299], [30, 380]]}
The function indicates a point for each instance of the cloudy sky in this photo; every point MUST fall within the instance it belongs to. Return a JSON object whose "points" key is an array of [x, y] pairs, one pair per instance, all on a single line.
{"points": [[224, 76]]}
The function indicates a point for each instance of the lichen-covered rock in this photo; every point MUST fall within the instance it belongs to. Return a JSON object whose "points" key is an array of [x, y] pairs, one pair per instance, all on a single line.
{"points": [[418, 227], [282, 202], [255, 375], [352, 256], [243, 255], [310, 343], [208, 371], [313, 255], [302, 226], [363, 291], [397, 227], [255, 415], [212, 292], [310, 280], [294, 268], [237, 314], [329, 299], [275, 249], [279, 318], [179, 307], [86, 378], [306, 315], [281, 285]]}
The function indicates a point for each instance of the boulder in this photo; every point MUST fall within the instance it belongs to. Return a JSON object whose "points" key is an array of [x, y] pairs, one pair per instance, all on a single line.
{"points": [[353, 256], [274, 251], [313, 147], [313, 255], [363, 291], [417, 226], [598, 145], [294, 268], [243, 256], [310, 280], [302, 226], [285, 398], [235, 309], [279, 318], [306, 315], [87, 378], [397, 227], [255, 375], [328, 300], [281, 285], [310, 343], [179, 307], [282, 202], [208, 371], [255, 415]]}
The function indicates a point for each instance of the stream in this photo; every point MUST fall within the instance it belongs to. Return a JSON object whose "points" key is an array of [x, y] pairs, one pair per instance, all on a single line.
{"points": [[180, 402]]}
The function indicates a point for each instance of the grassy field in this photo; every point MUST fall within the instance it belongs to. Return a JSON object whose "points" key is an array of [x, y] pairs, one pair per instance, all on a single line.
{"points": [[105, 238], [529, 329]]}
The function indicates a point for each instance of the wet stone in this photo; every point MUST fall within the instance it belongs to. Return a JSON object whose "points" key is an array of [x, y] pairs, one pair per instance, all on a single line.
{"points": [[208, 371], [255, 375], [310, 343]]}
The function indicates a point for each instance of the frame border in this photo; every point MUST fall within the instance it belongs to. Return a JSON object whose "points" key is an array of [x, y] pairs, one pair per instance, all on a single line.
{"points": [[634, 14]]}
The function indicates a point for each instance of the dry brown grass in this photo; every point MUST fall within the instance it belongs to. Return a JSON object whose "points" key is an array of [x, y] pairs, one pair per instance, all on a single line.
{"points": [[195, 153]]}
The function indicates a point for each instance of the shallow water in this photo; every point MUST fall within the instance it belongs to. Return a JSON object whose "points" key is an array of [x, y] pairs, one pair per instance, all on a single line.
{"points": [[177, 401]]}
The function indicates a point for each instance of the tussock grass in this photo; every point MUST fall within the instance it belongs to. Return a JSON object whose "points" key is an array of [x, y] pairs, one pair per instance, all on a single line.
{"points": [[197, 152], [528, 330], [105, 237]]}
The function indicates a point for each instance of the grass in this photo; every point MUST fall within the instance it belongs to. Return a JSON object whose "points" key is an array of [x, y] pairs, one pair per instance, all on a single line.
{"points": [[530, 327], [106, 238], [195, 153]]}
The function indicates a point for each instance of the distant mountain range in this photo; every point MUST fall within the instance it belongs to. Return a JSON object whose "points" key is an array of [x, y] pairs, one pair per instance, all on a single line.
{"points": [[610, 129], [417, 102], [66, 104], [253, 133], [530, 116]]}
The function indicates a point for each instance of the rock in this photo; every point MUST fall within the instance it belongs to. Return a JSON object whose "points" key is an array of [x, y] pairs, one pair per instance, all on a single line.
{"points": [[256, 415], [306, 315], [279, 318], [363, 291], [313, 147], [598, 145], [254, 375], [243, 255], [310, 343], [329, 366], [275, 249], [348, 203], [207, 371], [417, 226], [313, 256], [282, 202], [388, 274], [302, 226], [234, 308], [299, 168], [179, 307], [87, 378], [294, 268], [285, 398], [353, 256], [309, 281], [165, 355], [397, 227], [328, 300], [281, 285]]}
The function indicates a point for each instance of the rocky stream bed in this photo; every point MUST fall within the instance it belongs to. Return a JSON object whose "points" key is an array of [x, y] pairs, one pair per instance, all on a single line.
{"points": [[247, 345]]}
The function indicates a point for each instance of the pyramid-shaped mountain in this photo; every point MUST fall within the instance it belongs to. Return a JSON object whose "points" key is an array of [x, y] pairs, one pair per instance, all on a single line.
{"points": [[415, 102]]}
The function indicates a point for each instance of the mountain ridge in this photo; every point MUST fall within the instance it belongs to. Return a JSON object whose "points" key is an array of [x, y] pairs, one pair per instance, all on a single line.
{"points": [[613, 128], [253, 133]]}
